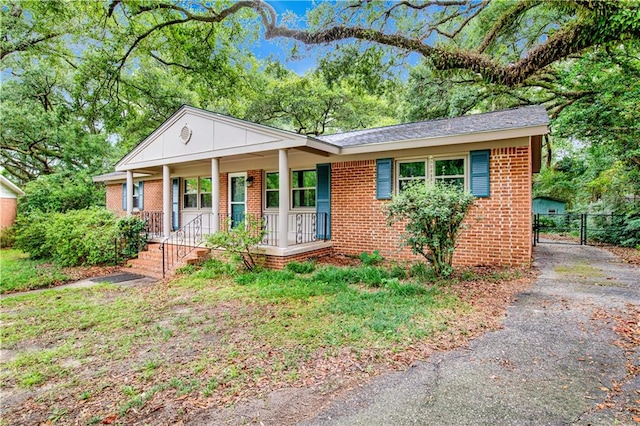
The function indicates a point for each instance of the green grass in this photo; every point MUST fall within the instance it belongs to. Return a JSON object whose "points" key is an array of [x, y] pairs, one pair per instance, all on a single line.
{"points": [[213, 333], [19, 273]]}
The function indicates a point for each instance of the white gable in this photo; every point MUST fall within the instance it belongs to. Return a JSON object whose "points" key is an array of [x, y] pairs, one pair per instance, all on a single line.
{"points": [[195, 134]]}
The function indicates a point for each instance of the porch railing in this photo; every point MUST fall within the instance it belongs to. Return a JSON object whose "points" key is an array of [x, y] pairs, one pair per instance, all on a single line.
{"points": [[181, 243], [153, 222], [302, 228]]}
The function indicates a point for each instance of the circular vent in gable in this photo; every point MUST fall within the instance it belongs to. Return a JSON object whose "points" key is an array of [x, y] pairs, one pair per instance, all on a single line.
{"points": [[185, 133]]}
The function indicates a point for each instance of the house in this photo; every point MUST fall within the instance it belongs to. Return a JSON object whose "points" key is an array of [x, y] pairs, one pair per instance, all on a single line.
{"points": [[548, 205], [9, 194], [320, 195]]}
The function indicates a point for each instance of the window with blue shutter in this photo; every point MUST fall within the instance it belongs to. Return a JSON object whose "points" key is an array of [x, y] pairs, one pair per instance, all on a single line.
{"points": [[323, 201], [384, 179], [480, 173], [124, 196]]}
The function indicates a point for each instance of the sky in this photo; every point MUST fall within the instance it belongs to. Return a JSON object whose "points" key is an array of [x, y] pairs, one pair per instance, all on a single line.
{"points": [[279, 49]]}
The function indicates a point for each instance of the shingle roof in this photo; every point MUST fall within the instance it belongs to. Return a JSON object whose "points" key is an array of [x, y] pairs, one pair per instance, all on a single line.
{"points": [[474, 123]]}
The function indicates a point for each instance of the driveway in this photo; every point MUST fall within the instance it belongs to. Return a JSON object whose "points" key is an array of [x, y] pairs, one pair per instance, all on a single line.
{"points": [[553, 363]]}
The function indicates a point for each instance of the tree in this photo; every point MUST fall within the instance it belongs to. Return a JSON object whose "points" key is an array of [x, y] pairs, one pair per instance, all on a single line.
{"points": [[433, 216], [310, 106], [424, 28]]}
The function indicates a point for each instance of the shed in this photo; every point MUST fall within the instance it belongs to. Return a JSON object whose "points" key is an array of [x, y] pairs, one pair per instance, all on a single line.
{"points": [[548, 205]]}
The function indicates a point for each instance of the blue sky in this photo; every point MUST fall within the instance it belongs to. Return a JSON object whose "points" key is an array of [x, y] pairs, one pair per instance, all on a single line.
{"points": [[279, 49]]}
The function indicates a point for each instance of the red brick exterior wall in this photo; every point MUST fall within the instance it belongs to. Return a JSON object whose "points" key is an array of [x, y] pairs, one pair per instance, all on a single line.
{"points": [[279, 262], [499, 226], [254, 193], [8, 208], [114, 199], [152, 197]]}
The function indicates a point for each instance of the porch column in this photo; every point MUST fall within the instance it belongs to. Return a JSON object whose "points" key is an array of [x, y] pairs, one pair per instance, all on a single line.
{"points": [[283, 198], [215, 195], [129, 192], [166, 201]]}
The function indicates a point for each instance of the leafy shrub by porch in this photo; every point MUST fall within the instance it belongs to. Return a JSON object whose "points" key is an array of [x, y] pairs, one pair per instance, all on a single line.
{"points": [[82, 237], [77, 237], [7, 237]]}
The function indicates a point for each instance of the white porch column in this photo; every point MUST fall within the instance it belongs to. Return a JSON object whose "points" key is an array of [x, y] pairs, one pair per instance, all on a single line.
{"points": [[215, 195], [283, 199], [129, 192], [166, 201]]}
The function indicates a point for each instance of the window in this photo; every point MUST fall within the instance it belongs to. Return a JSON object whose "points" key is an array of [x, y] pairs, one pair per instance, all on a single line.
{"points": [[551, 211], [303, 188], [410, 172], [205, 193], [451, 170], [136, 196], [272, 193], [190, 193]]}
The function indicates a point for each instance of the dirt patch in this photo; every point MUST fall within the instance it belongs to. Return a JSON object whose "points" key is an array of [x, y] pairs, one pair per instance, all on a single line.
{"points": [[627, 254]]}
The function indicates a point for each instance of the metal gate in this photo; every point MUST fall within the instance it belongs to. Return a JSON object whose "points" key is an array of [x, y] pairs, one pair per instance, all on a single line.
{"points": [[576, 228]]}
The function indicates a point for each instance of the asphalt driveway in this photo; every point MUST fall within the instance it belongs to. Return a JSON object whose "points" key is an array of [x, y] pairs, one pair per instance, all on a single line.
{"points": [[553, 363]]}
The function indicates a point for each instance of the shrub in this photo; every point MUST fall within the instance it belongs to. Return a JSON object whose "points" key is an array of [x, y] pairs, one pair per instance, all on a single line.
{"points": [[371, 259], [131, 230], [7, 237], [82, 237], [433, 216], [31, 234], [241, 241]]}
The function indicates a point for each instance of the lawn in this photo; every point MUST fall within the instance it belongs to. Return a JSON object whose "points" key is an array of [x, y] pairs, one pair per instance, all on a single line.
{"points": [[19, 273], [213, 338]]}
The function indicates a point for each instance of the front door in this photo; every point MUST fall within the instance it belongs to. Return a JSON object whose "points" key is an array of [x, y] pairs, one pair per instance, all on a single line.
{"points": [[237, 198]]}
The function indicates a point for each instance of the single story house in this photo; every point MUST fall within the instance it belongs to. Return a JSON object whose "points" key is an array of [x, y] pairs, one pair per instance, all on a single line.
{"points": [[9, 194], [548, 205], [325, 194]]}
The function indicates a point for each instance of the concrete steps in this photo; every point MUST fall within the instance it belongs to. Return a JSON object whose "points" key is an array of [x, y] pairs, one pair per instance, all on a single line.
{"points": [[149, 262]]}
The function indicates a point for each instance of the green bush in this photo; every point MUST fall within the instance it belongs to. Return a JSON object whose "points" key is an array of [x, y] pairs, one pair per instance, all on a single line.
{"points": [[82, 237], [433, 216], [240, 241], [7, 237], [371, 259], [31, 234], [131, 232], [77, 237], [60, 192]]}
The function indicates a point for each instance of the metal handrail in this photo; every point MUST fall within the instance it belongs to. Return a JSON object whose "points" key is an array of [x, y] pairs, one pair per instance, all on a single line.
{"points": [[178, 245]]}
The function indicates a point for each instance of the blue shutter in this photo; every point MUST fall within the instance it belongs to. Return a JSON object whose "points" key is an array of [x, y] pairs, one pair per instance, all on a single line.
{"points": [[124, 196], [384, 179], [480, 173], [141, 195], [323, 201], [175, 203]]}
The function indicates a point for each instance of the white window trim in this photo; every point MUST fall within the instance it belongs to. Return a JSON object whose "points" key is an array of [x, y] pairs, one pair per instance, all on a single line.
{"points": [[198, 194], [229, 201], [291, 189], [264, 192], [430, 162]]}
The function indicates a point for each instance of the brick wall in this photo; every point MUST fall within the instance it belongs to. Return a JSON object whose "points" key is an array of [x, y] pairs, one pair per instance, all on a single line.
{"points": [[152, 197], [114, 199], [254, 193], [499, 226], [8, 207]]}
